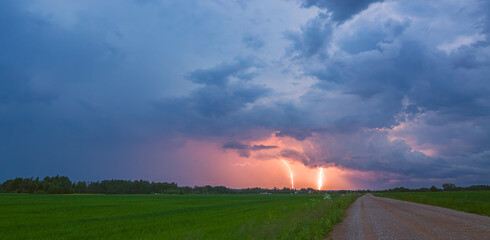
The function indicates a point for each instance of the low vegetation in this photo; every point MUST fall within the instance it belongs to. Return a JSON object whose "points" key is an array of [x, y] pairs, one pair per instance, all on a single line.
{"points": [[165, 216], [467, 201]]}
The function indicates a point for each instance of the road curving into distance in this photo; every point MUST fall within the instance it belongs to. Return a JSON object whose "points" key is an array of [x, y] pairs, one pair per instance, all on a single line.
{"points": [[372, 217]]}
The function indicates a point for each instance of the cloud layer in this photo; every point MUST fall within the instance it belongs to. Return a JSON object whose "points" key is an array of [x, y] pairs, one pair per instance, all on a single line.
{"points": [[398, 90]]}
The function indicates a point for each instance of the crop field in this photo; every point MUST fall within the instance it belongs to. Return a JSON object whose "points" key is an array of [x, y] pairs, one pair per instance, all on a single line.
{"points": [[468, 201], [220, 216]]}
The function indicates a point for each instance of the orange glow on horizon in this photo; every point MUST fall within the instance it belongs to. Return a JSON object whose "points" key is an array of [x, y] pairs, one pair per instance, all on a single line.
{"points": [[209, 164]]}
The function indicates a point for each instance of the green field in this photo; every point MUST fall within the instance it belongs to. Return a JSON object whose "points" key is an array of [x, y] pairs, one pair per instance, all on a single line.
{"points": [[238, 216], [468, 201]]}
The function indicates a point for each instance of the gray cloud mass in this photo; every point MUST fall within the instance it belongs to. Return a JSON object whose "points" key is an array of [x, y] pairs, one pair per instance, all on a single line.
{"points": [[342, 9], [244, 149], [397, 88]]}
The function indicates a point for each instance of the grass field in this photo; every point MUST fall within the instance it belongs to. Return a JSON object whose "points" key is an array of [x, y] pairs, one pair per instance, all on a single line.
{"points": [[307, 216], [468, 201]]}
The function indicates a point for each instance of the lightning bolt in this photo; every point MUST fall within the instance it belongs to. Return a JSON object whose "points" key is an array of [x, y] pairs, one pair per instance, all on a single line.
{"points": [[290, 173], [320, 178]]}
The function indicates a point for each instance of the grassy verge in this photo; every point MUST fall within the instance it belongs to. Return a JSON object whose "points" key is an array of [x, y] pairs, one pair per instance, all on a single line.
{"points": [[314, 220], [305, 216], [468, 201]]}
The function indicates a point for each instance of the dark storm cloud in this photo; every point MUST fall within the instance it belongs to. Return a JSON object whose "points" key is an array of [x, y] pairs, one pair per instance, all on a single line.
{"points": [[221, 74], [449, 136], [369, 38], [261, 147], [219, 96], [67, 103], [208, 111], [374, 152], [399, 78], [296, 133], [314, 37], [236, 145], [342, 9], [244, 149], [31, 45], [413, 71], [216, 101], [240, 146], [295, 156], [41, 132], [80, 89], [98, 76]]}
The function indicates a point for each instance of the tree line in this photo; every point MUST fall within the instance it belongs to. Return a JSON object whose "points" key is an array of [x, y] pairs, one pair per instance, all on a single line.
{"points": [[446, 187], [62, 184]]}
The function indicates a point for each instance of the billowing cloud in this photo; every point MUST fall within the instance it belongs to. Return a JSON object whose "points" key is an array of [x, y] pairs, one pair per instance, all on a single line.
{"points": [[240, 68], [295, 156], [313, 39], [429, 96], [341, 9]]}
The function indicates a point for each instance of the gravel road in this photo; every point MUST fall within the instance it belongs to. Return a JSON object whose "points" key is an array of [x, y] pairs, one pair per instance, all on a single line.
{"points": [[381, 218]]}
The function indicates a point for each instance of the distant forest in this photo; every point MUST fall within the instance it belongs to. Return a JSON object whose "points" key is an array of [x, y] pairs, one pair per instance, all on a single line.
{"points": [[61, 184], [446, 187]]}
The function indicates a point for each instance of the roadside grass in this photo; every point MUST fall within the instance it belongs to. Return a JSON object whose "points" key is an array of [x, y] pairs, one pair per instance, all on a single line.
{"points": [[467, 201], [233, 216]]}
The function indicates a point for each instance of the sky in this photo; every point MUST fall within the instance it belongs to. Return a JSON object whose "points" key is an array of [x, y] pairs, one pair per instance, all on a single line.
{"points": [[375, 94]]}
